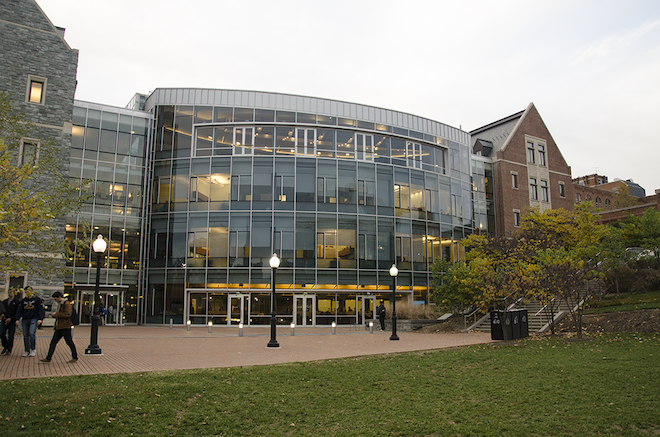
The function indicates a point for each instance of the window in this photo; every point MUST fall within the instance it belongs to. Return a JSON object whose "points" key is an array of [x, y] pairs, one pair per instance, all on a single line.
{"points": [[284, 188], [533, 189], [243, 140], [414, 154], [36, 90], [516, 218], [544, 191], [163, 190], [326, 190], [241, 188], [305, 142], [608, 203], [542, 160], [16, 280], [28, 152], [598, 202], [578, 197], [562, 190], [365, 147], [514, 179], [530, 153]]}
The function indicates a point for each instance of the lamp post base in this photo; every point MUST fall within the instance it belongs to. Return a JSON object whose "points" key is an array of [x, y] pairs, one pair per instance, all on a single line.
{"points": [[93, 349], [273, 344], [394, 336]]}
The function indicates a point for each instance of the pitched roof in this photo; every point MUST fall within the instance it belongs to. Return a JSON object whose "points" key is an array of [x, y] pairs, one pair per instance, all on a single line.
{"points": [[498, 131]]}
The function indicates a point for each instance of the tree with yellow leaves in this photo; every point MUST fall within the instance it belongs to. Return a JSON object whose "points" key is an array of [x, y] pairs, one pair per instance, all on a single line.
{"points": [[35, 197]]}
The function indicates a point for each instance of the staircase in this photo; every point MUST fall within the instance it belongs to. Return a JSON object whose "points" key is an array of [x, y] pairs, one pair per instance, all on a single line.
{"points": [[538, 320]]}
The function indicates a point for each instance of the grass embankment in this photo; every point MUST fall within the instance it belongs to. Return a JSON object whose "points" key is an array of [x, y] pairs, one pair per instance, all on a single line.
{"points": [[539, 386], [625, 302]]}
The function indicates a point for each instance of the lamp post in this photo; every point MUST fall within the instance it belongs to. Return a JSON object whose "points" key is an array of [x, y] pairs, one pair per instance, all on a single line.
{"points": [[99, 247], [274, 264], [393, 273]]}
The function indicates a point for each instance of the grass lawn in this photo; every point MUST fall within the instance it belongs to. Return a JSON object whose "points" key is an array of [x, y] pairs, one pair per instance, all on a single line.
{"points": [[625, 302], [606, 386]]}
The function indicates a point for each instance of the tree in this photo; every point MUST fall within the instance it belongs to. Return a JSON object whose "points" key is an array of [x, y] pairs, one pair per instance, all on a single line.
{"points": [[35, 197], [644, 232], [560, 276], [453, 287], [550, 258], [623, 198]]}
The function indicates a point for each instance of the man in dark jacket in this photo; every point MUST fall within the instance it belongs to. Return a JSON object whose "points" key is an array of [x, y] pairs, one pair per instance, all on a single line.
{"points": [[381, 315], [31, 310], [63, 327], [8, 322]]}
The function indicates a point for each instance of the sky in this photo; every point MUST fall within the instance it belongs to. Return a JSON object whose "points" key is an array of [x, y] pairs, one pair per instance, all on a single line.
{"points": [[591, 67]]}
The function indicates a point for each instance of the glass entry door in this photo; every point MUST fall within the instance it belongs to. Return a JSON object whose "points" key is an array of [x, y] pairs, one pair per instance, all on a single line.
{"points": [[304, 310], [238, 309], [365, 310], [113, 303]]}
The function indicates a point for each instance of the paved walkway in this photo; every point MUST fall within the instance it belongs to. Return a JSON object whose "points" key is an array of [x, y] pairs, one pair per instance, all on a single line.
{"points": [[129, 349]]}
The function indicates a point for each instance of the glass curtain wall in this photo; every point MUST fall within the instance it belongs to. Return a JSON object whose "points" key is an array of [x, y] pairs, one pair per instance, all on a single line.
{"points": [[339, 200], [108, 163]]}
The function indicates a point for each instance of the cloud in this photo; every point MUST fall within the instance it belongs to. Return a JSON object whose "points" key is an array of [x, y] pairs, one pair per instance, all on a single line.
{"points": [[611, 44]]}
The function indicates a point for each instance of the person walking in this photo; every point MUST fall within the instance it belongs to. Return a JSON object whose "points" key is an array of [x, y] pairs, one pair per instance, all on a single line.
{"points": [[31, 311], [8, 322], [63, 327], [381, 315]]}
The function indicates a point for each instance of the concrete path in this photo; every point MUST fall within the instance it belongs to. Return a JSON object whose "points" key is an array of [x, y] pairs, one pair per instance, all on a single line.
{"points": [[128, 349]]}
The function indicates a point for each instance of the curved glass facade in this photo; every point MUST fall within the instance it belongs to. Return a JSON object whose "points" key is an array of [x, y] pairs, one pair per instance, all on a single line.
{"points": [[339, 191]]}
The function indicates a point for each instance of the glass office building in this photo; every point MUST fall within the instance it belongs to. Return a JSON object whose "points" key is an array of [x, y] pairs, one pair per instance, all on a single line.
{"points": [[108, 147], [218, 180]]}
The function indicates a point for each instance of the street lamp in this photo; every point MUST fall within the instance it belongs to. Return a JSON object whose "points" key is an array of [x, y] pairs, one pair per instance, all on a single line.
{"points": [[99, 247], [274, 264], [393, 273]]}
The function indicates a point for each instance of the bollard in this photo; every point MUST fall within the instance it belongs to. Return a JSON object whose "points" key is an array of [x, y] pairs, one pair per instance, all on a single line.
{"points": [[334, 326], [293, 329], [371, 327], [188, 325], [171, 323], [210, 327], [240, 330]]}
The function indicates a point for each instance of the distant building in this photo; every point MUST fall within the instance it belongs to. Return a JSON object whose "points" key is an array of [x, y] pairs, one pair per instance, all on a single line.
{"points": [[528, 168], [620, 214]]}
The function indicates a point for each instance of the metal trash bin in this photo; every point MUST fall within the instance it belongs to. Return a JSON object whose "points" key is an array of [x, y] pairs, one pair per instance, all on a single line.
{"points": [[506, 324], [496, 326], [515, 324], [524, 324]]}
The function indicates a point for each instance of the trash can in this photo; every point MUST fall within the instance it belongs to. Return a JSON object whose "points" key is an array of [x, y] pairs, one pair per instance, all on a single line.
{"points": [[524, 324], [506, 324], [496, 326], [515, 324]]}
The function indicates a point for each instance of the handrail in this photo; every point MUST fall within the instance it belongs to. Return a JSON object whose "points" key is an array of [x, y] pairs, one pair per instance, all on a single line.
{"points": [[543, 308]]}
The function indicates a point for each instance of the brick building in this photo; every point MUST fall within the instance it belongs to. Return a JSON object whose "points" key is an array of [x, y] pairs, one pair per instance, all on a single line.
{"points": [[529, 170]]}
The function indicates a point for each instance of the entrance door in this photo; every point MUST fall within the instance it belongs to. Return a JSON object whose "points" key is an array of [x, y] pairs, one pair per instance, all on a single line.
{"points": [[112, 302], [112, 307], [238, 309], [365, 311], [304, 310]]}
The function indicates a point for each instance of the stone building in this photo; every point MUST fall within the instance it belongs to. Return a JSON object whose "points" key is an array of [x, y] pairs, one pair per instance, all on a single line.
{"points": [[38, 73]]}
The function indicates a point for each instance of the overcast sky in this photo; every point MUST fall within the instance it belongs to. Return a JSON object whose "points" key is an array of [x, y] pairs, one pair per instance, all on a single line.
{"points": [[592, 68]]}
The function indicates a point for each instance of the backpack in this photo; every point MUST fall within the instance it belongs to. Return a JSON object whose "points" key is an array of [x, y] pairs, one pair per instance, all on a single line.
{"points": [[75, 320]]}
